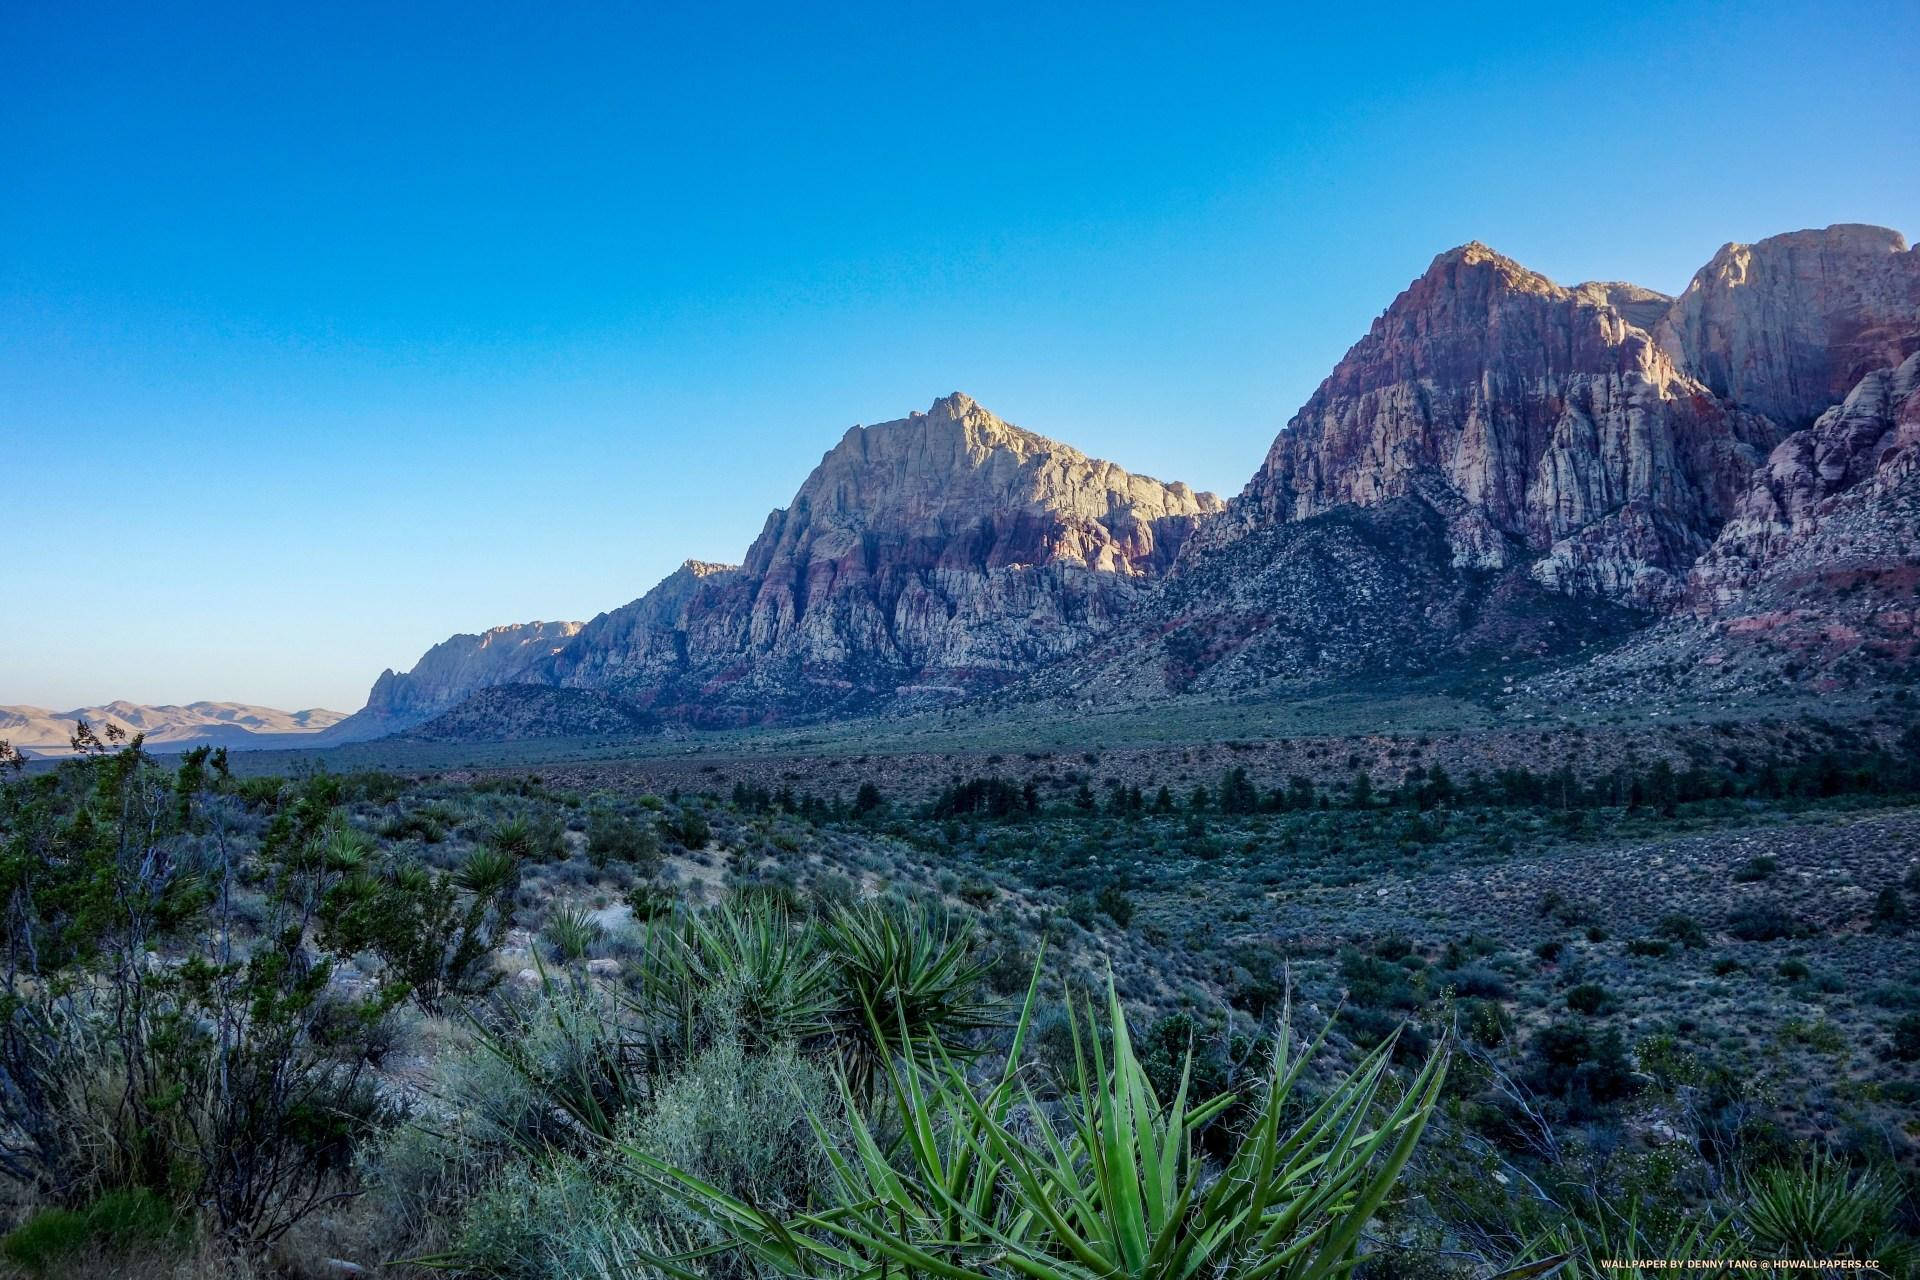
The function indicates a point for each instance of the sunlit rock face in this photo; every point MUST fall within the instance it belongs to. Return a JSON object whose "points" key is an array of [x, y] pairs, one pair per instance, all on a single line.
{"points": [[1545, 422], [451, 671], [1599, 435], [1786, 327], [935, 554]]}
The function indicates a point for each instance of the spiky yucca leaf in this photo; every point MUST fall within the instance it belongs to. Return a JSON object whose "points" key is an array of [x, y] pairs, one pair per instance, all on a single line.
{"points": [[1576, 1249], [907, 978], [750, 965], [1822, 1209], [572, 931], [1116, 1190]]}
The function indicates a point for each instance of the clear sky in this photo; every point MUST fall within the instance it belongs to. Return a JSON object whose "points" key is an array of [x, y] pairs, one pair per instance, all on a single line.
{"points": [[327, 331]]}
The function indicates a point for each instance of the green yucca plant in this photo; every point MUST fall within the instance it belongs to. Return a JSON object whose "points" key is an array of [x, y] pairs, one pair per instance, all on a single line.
{"points": [[984, 1182], [747, 966], [571, 931], [906, 977], [1822, 1209], [514, 836], [491, 871], [1576, 1248]]}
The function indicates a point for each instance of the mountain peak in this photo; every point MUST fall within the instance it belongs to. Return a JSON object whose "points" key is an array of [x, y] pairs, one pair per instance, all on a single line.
{"points": [[1785, 326], [1474, 254]]}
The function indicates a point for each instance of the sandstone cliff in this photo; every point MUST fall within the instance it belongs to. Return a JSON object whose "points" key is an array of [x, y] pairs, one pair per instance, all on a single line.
{"points": [[1548, 424], [1787, 325], [449, 672], [929, 556]]}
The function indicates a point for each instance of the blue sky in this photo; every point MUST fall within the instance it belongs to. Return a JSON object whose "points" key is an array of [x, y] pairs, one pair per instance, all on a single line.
{"points": [[326, 334]]}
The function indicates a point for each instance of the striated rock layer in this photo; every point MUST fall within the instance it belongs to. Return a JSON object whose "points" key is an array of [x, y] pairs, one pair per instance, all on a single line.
{"points": [[927, 557], [1549, 426], [1787, 326], [934, 555]]}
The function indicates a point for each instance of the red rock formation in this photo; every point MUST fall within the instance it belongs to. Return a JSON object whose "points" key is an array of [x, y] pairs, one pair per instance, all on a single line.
{"points": [[942, 552], [1788, 325], [1550, 426]]}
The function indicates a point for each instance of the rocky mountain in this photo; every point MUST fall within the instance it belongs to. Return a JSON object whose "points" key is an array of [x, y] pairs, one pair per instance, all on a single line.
{"points": [[518, 712], [449, 672], [1353, 593], [1787, 326], [931, 556], [38, 731], [1554, 430], [1501, 466], [927, 557], [1599, 435]]}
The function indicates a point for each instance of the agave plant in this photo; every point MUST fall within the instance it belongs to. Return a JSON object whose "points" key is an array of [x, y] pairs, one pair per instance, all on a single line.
{"points": [[906, 977], [985, 1183]]}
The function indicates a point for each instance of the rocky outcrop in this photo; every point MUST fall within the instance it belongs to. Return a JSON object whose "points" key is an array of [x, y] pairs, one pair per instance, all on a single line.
{"points": [[449, 672], [924, 558], [528, 712], [930, 556], [1814, 581], [1544, 421], [1357, 593], [1785, 326], [1803, 506]]}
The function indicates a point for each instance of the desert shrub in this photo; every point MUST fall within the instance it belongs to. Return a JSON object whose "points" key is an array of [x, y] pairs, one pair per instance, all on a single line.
{"points": [[1890, 910], [651, 901], [1764, 921], [558, 1066], [435, 931], [690, 827], [203, 1082], [613, 837], [1583, 1073], [120, 1222], [1481, 983], [561, 1217], [740, 1122], [1682, 929], [1756, 869], [1373, 983], [1589, 998], [1904, 1045]]}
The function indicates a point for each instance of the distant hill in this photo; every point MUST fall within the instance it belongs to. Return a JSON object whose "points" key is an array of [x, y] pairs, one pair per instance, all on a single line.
{"points": [[40, 732]]}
